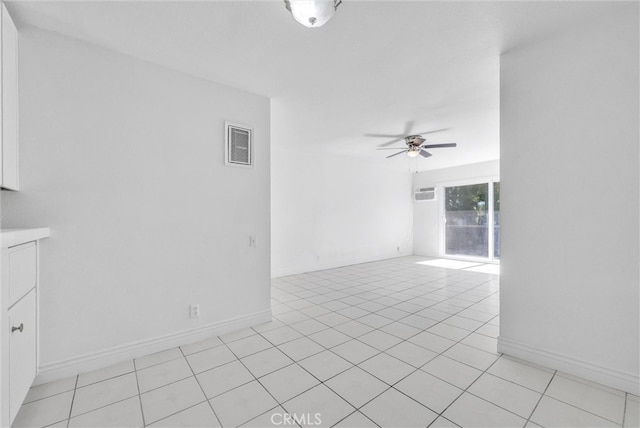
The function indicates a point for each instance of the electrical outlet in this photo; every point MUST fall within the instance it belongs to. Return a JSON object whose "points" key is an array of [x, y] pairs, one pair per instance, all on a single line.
{"points": [[194, 310], [252, 240]]}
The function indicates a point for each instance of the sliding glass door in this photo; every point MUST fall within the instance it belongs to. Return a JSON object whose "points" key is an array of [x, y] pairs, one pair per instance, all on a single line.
{"points": [[472, 220]]}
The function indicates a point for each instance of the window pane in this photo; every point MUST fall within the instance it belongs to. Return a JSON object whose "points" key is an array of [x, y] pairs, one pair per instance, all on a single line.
{"points": [[466, 228]]}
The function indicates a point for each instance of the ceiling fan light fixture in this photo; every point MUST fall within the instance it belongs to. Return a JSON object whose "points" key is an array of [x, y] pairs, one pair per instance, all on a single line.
{"points": [[413, 152], [312, 13]]}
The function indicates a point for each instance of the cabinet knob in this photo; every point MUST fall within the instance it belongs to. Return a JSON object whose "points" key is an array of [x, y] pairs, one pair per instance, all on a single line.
{"points": [[19, 328]]}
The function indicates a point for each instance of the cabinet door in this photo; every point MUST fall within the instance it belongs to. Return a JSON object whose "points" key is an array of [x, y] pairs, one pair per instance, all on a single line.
{"points": [[22, 270], [22, 350], [9, 102]]}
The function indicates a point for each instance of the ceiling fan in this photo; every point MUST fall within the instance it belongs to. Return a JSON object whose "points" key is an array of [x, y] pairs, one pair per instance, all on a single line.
{"points": [[414, 142], [416, 146]]}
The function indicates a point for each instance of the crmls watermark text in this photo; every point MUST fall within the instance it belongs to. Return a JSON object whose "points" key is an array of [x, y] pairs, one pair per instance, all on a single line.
{"points": [[295, 419]]}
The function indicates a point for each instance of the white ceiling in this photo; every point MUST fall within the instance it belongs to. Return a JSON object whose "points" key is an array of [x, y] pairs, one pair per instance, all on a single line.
{"points": [[375, 68]]}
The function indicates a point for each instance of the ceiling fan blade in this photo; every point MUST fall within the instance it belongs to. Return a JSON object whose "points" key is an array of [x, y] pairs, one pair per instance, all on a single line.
{"points": [[384, 135], [392, 148], [433, 132], [436, 146], [396, 154], [425, 154], [408, 127], [388, 143]]}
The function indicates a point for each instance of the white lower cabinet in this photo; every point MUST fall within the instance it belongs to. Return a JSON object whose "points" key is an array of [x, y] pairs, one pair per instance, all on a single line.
{"points": [[18, 326], [22, 350]]}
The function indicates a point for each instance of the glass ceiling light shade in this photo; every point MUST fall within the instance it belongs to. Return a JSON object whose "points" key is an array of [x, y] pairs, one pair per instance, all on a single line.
{"points": [[413, 152], [312, 13]]}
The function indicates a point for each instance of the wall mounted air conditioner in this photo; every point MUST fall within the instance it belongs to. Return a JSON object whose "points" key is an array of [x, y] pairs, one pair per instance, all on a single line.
{"points": [[425, 194]]}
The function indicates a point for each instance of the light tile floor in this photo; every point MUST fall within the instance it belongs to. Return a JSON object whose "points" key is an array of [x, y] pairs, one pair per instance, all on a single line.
{"points": [[394, 343]]}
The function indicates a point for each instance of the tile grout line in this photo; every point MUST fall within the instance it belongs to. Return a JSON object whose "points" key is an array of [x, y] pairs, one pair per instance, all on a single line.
{"points": [[485, 371], [351, 414], [146, 367], [542, 396], [135, 370], [559, 374], [580, 408], [256, 380], [321, 382], [254, 377], [120, 400], [51, 395], [75, 388], [440, 414], [201, 388]]}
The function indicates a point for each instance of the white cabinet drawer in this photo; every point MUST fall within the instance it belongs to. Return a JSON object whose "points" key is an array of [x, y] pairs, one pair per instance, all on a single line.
{"points": [[22, 350], [22, 270]]}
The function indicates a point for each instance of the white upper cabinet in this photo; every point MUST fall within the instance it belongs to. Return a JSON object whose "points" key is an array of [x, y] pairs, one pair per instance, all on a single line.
{"points": [[9, 116]]}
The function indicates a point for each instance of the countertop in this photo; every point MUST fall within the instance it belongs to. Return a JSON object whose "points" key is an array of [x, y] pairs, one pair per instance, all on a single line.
{"points": [[11, 237]]}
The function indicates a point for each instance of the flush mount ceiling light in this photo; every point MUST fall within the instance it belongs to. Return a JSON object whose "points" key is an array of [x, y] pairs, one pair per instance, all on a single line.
{"points": [[312, 13]]}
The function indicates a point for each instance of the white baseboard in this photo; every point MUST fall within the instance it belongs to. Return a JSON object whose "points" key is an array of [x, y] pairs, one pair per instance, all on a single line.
{"points": [[107, 357], [627, 382], [277, 273]]}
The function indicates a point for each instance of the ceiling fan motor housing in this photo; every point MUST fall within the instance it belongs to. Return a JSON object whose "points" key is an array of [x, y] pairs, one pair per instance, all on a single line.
{"points": [[414, 140]]}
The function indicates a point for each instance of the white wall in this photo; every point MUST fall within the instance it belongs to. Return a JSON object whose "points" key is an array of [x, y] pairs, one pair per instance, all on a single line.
{"points": [[124, 161], [569, 195], [331, 211], [426, 214]]}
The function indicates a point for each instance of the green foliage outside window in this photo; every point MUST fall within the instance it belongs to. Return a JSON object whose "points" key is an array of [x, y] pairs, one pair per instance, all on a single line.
{"points": [[467, 198]]}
